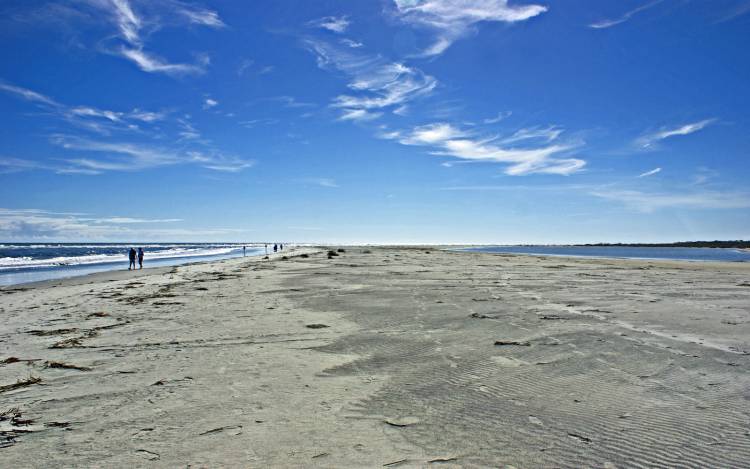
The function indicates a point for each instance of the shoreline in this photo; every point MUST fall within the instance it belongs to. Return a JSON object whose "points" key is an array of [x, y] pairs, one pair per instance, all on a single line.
{"points": [[409, 356]]}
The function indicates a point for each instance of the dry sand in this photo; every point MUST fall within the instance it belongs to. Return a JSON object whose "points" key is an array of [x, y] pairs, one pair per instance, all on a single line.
{"points": [[427, 358]]}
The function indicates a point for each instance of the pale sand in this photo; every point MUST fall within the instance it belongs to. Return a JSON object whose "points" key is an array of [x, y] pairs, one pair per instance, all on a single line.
{"points": [[618, 364]]}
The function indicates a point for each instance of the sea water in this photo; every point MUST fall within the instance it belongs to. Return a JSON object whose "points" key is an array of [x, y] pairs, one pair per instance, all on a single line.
{"points": [[27, 262], [625, 252]]}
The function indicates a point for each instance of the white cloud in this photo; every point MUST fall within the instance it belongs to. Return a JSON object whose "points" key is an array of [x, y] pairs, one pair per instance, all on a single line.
{"points": [[28, 95], [322, 182], [650, 202], [201, 17], [102, 121], [379, 84], [500, 116], [452, 19], [337, 24], [134, 27], [208, 103], [350, 43], [359, 115], [35, 224], [154, 64], [647, 141], [650, 173], [123, 156], [449, 140], [608, 23]]}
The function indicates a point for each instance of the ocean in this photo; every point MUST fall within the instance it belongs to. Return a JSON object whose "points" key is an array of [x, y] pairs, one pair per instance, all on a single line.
{"points": [[625, 252], [32, 262]]}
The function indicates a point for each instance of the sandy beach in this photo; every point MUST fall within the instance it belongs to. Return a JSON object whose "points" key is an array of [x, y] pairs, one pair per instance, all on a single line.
{"points": [[395, 357]]}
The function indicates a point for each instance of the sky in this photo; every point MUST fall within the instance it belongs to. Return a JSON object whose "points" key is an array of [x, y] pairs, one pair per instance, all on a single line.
{"points": [[375, 121]]}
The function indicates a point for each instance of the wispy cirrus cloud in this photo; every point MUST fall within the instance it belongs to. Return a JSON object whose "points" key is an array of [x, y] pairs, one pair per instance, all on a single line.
{"points": [[653, 201], [336, 24], [649, 173], [536, 156], [35, 224], [102, 121], [499, 117], [134, 26], [608, 23], [322, 182], [648, 141], [453, 19], [126, 156], [377, 84]]}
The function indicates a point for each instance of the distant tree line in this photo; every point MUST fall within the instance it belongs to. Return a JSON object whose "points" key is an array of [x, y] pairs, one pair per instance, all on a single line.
{"points": [[737, 244]]}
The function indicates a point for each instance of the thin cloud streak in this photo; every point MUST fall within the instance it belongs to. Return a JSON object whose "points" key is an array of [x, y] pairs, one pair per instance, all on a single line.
{"points": [[650, 173], [651, 202], [445, 139], [133, 27], [336, 24], [603, 24], [647, 141], [453, 19], [379, 84]]}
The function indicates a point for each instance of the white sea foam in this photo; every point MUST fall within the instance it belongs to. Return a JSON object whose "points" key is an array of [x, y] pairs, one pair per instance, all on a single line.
{"points": [[174, 252]]}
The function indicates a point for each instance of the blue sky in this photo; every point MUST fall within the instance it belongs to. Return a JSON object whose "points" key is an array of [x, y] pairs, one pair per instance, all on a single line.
{"points": [[436, 121]]}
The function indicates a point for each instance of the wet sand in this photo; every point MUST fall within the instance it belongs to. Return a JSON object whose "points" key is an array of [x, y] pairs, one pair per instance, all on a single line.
{"points": [[396, 357]]}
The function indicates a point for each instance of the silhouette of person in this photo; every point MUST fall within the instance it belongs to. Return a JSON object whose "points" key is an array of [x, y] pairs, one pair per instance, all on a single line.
{"points": [[140, 257], [131, 255], [275, 248], [281, 247], [243, 251]]}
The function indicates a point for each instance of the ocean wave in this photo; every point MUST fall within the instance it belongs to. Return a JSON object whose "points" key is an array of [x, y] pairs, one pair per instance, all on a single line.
{"points": [[24, 262]]}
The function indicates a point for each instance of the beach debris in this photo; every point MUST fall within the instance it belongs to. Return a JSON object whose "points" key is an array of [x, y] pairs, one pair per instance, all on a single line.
{"points": [[552, 317], [444, 458], [394, 463], [67, 366], [21, 383], [481, 316], [366, 251], [304, 256], [12, 425], [150, 455], [321, 455], [57, 424], [402, 421], [10, 360], [98, 314], [578, 437], [68, 343], [511, 342], [340, 250], [161, 382], [317, 326], [237, 428], [42, 333], [332, 254], [535, 420]]}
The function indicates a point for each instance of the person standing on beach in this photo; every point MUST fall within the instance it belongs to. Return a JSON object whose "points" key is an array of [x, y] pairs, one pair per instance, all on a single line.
{"points": [[131, 255], [243, 251], [281, 247], [275, 248], [140, 257]]}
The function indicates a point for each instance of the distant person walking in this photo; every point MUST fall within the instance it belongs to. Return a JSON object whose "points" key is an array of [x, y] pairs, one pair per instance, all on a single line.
{"points": [[275, 248], [131, 255], [266, 249], [140, 257], [243, 251], [281, 247]]}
